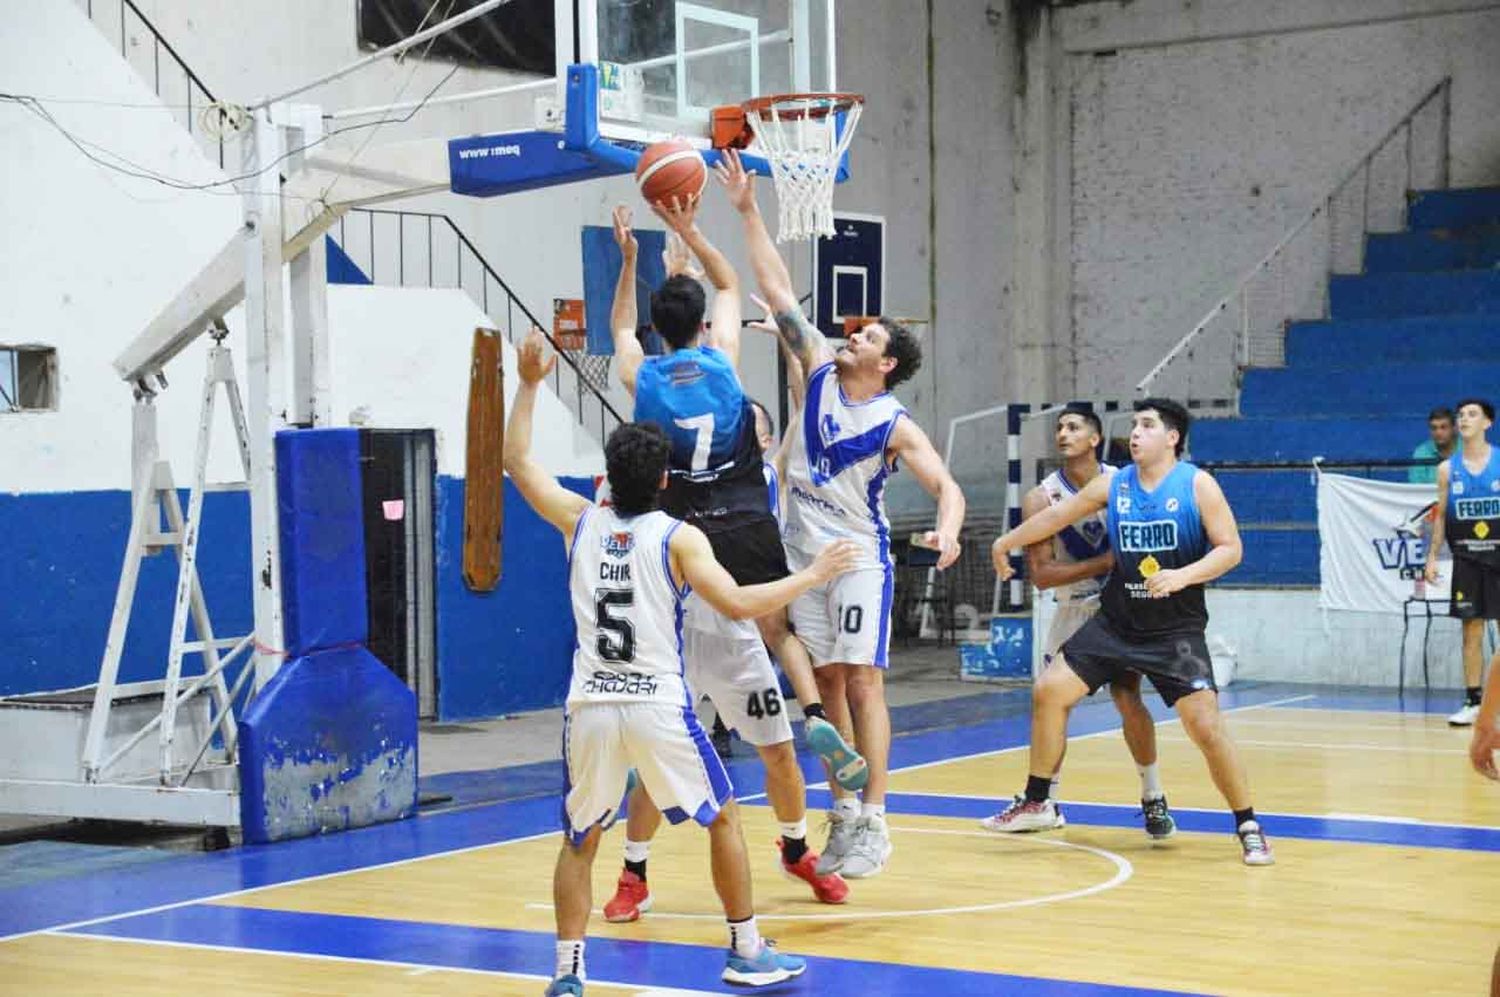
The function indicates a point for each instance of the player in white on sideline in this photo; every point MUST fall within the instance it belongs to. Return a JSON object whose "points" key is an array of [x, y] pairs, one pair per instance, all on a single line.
{"points": [[1073, 565], [630, 566], [852, 434]]}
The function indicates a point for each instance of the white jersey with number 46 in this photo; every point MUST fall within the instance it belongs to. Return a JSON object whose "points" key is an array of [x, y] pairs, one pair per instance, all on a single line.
{"points": [[627, 609], [836, 470]]}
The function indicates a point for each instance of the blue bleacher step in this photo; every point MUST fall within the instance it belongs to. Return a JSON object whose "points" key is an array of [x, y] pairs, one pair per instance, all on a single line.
{"points": [[1457, 208], [1298, 439], [1424, 250], [1276, 556], [1390, 295], [1394, 389], [1282, 497], [1422, 339]]}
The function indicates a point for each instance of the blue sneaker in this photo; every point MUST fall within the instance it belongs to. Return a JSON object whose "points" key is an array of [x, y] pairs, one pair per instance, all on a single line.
{"points": [[849, 768], [768, 967], [565, 986]]}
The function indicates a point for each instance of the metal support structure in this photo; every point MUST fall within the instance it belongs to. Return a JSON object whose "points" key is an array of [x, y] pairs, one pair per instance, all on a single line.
{"points": [[262, 151], [308, 271]]}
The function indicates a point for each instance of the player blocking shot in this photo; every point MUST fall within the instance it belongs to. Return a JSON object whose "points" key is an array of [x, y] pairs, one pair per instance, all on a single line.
{"points": [[630, 565], [1172, 532], [1073, 565]]}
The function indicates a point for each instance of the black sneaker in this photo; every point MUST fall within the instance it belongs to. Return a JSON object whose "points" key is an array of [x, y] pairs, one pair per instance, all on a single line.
{"points": [[1159, 823]]}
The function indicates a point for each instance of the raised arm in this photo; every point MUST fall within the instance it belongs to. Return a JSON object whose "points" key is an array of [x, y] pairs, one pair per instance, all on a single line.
{"points": [[1439, 525], [724, 319], [623, 316], [801, 336], [1049, 522], [796, 377], [552, 501], [1042, 565], [693, 561], [910, 444], [1224, 550]]}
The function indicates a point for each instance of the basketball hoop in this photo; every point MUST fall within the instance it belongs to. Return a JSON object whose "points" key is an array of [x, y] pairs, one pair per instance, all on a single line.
{"points": [[804, 137]]}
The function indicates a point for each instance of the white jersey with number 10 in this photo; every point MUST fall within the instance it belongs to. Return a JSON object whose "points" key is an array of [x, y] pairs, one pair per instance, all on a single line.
{"points": [[837, 470]]}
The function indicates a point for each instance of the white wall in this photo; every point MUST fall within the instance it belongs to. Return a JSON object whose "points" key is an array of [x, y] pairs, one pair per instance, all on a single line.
{"points": [[1283, 636], [1198, 140]]}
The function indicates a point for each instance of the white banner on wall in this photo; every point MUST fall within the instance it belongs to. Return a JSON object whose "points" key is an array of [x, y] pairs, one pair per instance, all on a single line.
{"points": [[1373, 538]]}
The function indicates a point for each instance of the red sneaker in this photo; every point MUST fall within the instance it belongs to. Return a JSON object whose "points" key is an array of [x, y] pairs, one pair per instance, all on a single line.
{"points": [[632, 899], [829, 889]]}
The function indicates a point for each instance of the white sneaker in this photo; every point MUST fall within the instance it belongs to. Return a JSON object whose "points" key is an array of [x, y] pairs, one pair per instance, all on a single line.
{"points": [[870, 851], [1024, 816], [841, 832], [1465, 716], [1253, 843]]}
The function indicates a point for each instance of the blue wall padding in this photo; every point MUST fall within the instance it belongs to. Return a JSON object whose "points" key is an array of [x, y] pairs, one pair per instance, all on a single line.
{"points": [[1433, 249], [1455, 339], [57, 582], [319, 506], [1277, 557], [1459, 208], [601, 269], [1390, 295], [341, 269], [510, 649], [330, 743]]}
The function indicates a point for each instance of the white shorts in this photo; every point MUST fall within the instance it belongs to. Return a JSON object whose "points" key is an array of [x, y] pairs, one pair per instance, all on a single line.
{"points": [[665, 745], [1067, 619], [847, 621], [737, 674]]}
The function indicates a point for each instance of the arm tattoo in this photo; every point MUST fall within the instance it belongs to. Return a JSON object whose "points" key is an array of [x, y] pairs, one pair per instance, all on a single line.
{"points": [[801, 336]]}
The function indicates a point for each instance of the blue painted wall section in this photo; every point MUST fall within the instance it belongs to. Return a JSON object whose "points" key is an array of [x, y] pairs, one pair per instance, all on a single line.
{"points": [[330, 743], [57, 579], [510, 649], [341, 269]]}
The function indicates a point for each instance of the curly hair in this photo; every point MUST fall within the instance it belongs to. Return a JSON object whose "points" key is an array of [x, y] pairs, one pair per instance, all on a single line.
{"points": [[902, 346], [635, 457]]}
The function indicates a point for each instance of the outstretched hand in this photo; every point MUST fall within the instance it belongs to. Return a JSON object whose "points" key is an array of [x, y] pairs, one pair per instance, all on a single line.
{"points": [[836, 559], [738, 183], [766, 323], [624, 235], [946, 546], [533, 360], [679, 214], [1482, 749]]}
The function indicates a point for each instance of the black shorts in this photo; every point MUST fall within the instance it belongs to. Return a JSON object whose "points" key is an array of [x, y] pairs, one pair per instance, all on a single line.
{"points": [[1476, 591], [747, 544], [1176, 664]]}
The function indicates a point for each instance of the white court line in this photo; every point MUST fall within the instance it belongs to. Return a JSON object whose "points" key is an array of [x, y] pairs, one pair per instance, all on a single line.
{"points": [[1123, 871], [1368, 818], [1329, 746], [416, 968], [495, 844]]}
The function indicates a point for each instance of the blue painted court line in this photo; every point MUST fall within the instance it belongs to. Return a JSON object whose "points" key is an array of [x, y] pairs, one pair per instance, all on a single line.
{"points": [[638, 963], [1409, 834], [188, 878]]}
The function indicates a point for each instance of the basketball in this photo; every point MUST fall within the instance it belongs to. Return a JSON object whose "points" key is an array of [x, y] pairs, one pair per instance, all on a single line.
{"points": [[668, 169]]}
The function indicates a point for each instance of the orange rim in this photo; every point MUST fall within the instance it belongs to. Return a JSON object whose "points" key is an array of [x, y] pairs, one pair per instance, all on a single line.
{"points": [[832, 102]]}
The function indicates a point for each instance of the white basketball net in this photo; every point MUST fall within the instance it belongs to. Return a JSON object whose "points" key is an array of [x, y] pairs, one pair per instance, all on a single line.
{"points": [[800, 137]]}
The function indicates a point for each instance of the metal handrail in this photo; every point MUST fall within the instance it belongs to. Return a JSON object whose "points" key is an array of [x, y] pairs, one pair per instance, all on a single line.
{"points": [[160, 42], [1323, 205], [582, 385]]}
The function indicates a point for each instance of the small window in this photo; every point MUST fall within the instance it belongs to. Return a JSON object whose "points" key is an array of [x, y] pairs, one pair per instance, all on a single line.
{"points": [[28, 378]]}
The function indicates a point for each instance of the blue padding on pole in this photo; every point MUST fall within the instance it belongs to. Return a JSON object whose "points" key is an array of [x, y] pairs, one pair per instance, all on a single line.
{"points": [[318, 489], [329, 744]]}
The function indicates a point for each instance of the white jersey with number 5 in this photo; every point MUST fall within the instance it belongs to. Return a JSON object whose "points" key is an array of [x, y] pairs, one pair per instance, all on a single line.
{"points": [[627, 609], [837, 470]]}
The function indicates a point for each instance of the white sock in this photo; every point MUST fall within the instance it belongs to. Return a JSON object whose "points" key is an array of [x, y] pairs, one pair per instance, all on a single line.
{"points": [[794, 831], [845, 808], [744, 937], [637, 851], [1056, 781], [1150, 782], [570, 958], [872, 810]]}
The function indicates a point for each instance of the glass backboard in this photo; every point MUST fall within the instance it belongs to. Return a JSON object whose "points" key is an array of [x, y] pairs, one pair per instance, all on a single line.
{"points": [[664, 64]]}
